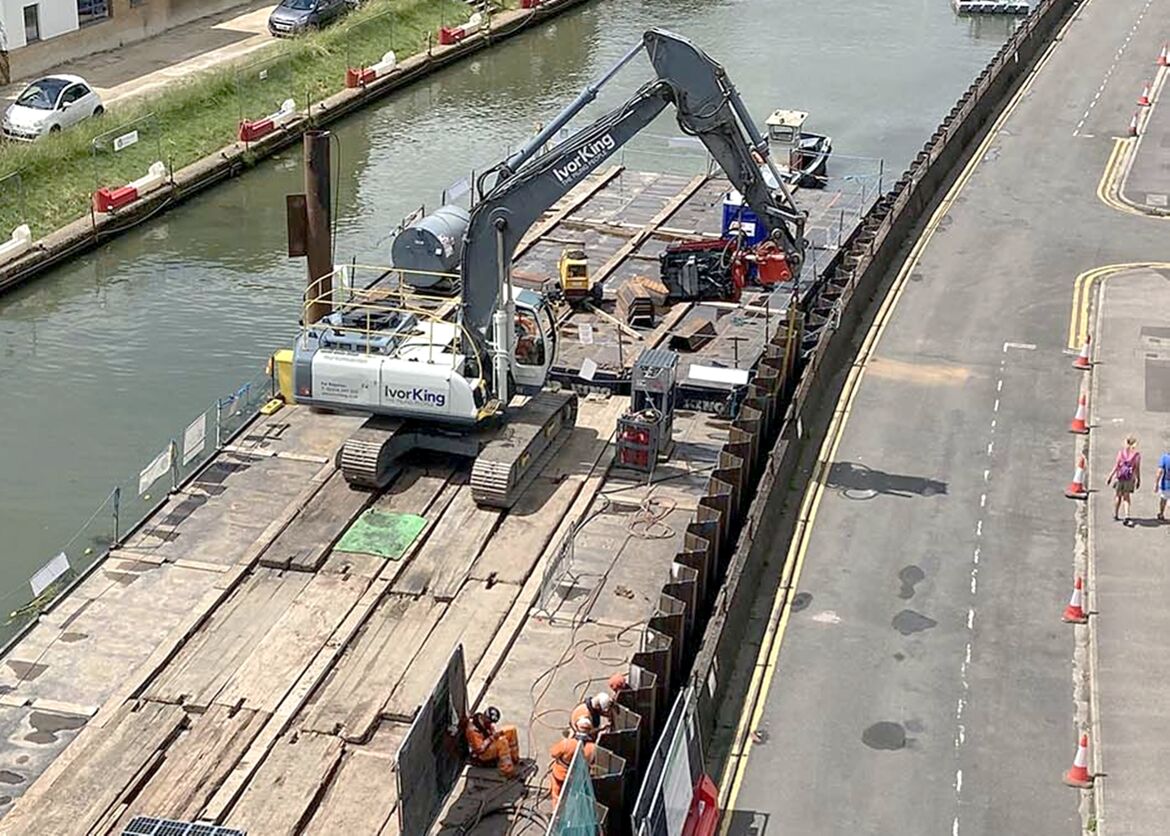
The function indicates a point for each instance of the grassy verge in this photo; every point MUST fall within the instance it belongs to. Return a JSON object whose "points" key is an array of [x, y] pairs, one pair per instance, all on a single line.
{"points": [[54, 179]]}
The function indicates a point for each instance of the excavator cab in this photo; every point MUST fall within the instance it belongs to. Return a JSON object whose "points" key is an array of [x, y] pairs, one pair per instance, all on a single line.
{"points": [[536, 341]]}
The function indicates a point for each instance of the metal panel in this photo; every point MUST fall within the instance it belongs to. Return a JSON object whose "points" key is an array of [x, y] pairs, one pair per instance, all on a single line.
{"points": [[433, 752]]}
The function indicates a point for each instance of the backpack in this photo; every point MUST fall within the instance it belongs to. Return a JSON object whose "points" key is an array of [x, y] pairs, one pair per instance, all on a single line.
{"points": [[1125, 469]]}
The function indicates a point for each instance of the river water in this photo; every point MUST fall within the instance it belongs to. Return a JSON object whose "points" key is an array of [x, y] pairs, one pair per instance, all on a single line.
{"points": [[105, 359]]}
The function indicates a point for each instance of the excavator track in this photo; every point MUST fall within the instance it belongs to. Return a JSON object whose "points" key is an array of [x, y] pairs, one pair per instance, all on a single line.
{"points": [[368, 457], [509, 462]]}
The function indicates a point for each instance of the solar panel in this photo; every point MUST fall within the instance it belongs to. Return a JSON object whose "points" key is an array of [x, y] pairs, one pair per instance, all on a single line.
{"points": [[150, 826]]}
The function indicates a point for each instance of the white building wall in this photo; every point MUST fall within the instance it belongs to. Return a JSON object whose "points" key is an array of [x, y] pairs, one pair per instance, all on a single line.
{"points": [[56, 18]]}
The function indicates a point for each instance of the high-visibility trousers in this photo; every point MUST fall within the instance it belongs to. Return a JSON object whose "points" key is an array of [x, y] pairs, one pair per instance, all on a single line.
{"points": [[503, 752]]}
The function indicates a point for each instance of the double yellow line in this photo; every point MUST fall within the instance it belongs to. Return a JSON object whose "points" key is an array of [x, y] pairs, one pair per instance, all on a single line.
{"points": [[765, 669], [1109, 189], [1083, 289]]}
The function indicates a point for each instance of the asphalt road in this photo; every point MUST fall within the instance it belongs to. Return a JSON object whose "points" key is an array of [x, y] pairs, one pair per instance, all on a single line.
{"points": [[923, 683]]}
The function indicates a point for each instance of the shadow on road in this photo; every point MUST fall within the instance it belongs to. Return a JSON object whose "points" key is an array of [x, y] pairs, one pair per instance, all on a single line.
{"points": [[856, 481]]}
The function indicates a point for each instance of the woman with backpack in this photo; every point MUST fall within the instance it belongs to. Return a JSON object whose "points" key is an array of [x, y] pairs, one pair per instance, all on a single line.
{"points": [[1126, 476]]}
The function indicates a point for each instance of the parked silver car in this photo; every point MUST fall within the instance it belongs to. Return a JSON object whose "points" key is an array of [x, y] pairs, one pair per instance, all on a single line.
{"points": [[48, 105], [293, 17]]}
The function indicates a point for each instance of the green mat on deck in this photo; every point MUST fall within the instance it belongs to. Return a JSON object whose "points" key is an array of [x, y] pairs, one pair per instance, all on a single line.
{"points": [[384, 533]]}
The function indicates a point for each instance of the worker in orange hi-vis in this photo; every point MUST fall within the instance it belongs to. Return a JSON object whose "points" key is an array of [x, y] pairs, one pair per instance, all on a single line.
{"points": [[491, 745], [618, 683], [597, 709], [562, 755]]}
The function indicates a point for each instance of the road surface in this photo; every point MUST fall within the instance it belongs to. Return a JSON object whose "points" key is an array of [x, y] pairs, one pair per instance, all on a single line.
{"points": [[923, 678]]}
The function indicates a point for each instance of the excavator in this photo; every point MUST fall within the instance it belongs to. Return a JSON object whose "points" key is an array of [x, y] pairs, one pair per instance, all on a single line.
{"points": [[449, 387]]}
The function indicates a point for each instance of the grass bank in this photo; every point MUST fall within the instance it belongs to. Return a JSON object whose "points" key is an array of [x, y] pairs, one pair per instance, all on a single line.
{"points": [[50, 183]]}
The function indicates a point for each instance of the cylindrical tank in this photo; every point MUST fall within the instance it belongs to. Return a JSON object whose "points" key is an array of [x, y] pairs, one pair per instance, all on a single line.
{"points": [[434, 245]]}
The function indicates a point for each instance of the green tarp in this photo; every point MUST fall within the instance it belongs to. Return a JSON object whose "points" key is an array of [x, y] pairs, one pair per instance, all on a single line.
{"points": [[385, 533]]}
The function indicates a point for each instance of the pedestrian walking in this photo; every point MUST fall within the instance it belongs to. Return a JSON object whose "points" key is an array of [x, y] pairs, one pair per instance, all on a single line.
{"points": [[1162, 484], [1126, 476]]}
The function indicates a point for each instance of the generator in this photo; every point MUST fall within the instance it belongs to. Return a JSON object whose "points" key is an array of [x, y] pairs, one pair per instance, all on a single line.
{"points": [[645, 430], [698, 270]]}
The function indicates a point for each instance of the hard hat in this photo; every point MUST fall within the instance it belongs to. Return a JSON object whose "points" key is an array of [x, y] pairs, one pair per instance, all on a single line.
{"points": [[493, 714], [618, 682], [603, 701], [584, 724]]}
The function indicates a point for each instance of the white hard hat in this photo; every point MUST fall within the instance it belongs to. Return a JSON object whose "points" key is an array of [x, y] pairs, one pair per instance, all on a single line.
{"points": [[584, 724], [602, 701]]}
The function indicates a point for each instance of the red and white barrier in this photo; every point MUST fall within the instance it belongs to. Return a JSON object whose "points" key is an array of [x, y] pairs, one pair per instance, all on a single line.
{"points": [[1164, 56], [454, 34], [17, 245], [252, 130], [107, 200], [361, 76], [531, 4]]}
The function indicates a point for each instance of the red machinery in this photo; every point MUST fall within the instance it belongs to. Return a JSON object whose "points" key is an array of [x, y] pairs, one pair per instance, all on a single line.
{"points": [[720, 268]]}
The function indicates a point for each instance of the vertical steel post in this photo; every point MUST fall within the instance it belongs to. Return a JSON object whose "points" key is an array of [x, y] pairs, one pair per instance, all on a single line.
{"points": [[318, 212], [117, 512]]}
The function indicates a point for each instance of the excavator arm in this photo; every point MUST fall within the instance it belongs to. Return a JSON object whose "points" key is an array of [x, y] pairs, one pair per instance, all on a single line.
{"points": [[708, 107]]}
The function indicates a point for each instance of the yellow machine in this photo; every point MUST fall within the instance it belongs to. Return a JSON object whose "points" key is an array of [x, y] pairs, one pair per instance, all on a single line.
{"points": [[573, 272]]}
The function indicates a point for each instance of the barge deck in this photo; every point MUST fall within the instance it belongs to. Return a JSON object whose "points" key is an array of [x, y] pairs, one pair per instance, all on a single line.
{"points": [[254, 652]]}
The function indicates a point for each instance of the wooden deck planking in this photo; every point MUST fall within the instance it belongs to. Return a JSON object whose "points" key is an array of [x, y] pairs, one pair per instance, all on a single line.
{"points": [[195, 764], [442, 562], [108, 762], [527, 529], [472, 619], [360, 798], [219, 528], [282, 655], [305, 543], [513, 548], [356, 689], [283, 793], [212, 656]]}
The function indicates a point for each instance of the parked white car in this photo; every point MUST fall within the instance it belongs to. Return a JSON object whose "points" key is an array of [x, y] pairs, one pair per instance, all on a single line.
{"points": [[48, 105]]}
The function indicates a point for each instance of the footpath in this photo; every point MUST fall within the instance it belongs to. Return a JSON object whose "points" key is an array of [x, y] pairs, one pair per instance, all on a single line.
{"points": [[1129, 571], [1147, 184], [148, 66]]}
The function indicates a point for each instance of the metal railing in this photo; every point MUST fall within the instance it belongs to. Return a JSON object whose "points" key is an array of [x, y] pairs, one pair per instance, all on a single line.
{"points": [[132, 500]]}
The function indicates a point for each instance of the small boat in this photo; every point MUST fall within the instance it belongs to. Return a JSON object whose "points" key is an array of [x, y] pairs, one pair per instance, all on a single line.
{"points": [[805, 155]]}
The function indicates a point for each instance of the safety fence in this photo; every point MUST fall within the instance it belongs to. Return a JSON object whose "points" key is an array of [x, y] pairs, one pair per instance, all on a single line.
{"points": [[132, 500], [670, 794], [576, 813]]}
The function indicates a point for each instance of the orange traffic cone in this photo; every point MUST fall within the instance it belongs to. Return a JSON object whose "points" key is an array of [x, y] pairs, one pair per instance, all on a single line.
{"points": [[1083, 362], [1076, 488], [1144, 98], [1164, 56], [1079, 775], [1133, 125], [1078, 425], [1074, 613]]}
